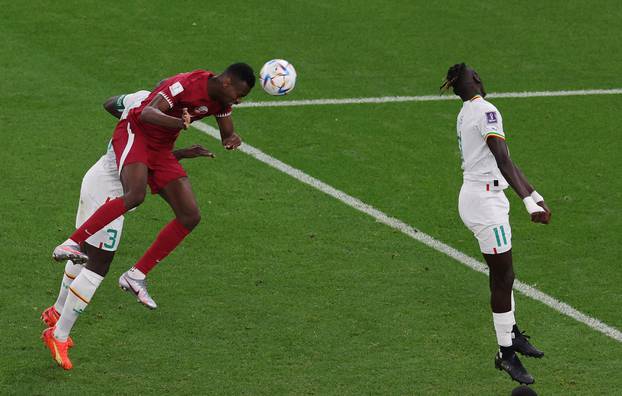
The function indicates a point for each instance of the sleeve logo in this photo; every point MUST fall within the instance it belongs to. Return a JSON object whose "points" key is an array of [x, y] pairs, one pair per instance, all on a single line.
{"points": [[491, 117], [176, 88]]}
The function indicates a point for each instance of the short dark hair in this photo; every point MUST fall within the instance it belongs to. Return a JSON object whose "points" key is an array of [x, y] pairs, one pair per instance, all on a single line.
{"points": [[242, 72]]}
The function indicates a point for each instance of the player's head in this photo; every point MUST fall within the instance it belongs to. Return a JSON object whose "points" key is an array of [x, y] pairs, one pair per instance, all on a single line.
{"points": [[523, 390], [464, 80], [235, 83]]}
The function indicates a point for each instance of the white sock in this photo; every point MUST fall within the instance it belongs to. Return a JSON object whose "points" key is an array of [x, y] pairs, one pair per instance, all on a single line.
{"points": [[503, 327], [71, 271], [137, 274], [81, 292]]}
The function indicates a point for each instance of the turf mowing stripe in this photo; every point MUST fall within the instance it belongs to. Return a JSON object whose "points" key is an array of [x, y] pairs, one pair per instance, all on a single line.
{"points": [[427, 98], [422, 237]]}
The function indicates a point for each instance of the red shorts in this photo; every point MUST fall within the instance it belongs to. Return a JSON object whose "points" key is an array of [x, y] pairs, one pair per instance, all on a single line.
{"points": [[131, 145]]}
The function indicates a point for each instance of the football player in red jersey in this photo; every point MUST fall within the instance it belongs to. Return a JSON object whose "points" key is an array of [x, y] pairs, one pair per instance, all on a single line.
{"points": [[143, 144], [79, 284]]}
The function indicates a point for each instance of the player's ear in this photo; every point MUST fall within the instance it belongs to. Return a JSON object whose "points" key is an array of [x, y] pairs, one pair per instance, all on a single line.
{"points": [[226, 81]]}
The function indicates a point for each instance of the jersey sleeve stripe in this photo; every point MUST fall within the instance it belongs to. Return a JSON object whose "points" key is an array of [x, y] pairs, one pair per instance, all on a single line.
{"points": [[119, 105], [494, 134], [170, 102]]}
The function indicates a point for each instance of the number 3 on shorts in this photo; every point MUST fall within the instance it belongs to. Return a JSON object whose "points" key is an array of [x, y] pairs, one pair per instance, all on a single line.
{"points": [[112, 236]]}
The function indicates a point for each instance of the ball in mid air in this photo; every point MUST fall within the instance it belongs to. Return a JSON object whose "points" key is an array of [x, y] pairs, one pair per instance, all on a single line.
{"points": [[278, 77]]}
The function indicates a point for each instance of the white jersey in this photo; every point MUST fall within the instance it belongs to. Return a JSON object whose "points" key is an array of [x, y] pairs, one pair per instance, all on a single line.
{"points": [[127, 103], [479, 120], [101, 183]]}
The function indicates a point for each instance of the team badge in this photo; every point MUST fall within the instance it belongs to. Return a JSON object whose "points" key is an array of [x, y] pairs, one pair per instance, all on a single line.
{"points": [[201, 110], [491, 117]]}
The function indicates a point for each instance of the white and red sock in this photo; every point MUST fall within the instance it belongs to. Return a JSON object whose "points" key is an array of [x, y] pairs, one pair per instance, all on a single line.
{"points": [[71, 272], [80, 293]]}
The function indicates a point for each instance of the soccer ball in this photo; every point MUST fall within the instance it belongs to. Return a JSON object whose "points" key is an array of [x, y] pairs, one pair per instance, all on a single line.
{"points": [[278, 77]]}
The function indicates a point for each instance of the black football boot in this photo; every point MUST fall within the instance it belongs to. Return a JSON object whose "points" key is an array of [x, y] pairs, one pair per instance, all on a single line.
{"points": [[510, 363], [521, 344]]}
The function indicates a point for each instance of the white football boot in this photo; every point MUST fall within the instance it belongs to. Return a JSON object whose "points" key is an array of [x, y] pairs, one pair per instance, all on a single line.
{"points": [[69, 251], [138, 288]]}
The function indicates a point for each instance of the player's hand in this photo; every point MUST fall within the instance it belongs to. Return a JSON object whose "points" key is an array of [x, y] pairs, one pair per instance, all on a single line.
{"points": [[543, 217], [196, 150], [544, 206], [232, 142], [185, 117]]}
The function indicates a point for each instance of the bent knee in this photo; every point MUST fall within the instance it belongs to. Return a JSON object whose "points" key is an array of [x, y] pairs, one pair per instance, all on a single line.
{"points": [[190, 220], [134, 198]]}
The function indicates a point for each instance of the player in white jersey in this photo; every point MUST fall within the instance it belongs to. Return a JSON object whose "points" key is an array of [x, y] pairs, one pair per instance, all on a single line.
{"points": [[100, 184], [484, 208]]}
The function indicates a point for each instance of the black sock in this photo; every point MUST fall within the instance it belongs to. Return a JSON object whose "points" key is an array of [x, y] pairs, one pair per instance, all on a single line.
{"points": [[515, 329], [506, 352]]}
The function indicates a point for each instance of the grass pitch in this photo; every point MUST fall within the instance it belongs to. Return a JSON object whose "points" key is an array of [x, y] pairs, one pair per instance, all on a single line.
{"points": [[282, 289]]}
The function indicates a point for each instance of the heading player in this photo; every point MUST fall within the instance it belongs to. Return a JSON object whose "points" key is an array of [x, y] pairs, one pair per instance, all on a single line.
{"points": [[484, 208], [143, 145], [100, 184]]}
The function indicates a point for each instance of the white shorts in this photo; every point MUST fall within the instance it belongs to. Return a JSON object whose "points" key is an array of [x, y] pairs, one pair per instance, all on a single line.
{"points": [[487, 215], [100, 184]]}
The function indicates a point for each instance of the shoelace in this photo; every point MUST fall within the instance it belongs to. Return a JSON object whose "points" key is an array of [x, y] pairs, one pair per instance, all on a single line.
{"points": [[523, 334]]}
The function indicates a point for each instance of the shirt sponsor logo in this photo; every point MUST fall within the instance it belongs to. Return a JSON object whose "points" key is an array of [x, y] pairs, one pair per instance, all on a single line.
{"points": [[491, 117], [201, 110], [176, 89]]}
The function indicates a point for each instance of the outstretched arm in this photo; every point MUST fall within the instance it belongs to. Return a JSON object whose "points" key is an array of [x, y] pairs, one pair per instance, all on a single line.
{"points": [[536, 207], [228, 137], [196, 150]]}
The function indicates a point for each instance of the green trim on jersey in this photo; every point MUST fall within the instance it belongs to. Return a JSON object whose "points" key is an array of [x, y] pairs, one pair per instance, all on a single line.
{"points": [[118, 104], [494, 134]]}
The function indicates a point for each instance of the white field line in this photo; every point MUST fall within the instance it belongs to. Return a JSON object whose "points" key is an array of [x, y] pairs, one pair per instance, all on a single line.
{"points": [[412, 232], [427, 98]]}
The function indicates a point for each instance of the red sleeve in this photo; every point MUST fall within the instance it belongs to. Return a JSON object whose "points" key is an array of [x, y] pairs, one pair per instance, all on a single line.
{"points": [[226, 112]]}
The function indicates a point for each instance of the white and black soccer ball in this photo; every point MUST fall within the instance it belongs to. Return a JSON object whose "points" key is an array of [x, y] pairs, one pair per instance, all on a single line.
{"points": [[278, 77]]}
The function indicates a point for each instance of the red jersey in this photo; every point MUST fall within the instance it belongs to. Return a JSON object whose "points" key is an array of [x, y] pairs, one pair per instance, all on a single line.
{"points": [[182, 90]]}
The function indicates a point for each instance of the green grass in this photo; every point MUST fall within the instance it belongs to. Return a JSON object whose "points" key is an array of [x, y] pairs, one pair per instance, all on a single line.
{"points": [[282, 289]]}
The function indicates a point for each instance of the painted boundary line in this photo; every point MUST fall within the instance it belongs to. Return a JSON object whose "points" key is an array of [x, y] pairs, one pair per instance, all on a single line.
{"points": [[424, 238], [428, 98]]}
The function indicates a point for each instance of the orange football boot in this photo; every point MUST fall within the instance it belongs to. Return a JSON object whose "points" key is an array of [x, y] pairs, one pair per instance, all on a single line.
{"points": [[59, 349], [50, 316]]}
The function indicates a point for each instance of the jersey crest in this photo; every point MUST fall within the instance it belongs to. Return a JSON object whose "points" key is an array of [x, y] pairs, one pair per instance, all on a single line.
{"points": [[491, 117]]}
